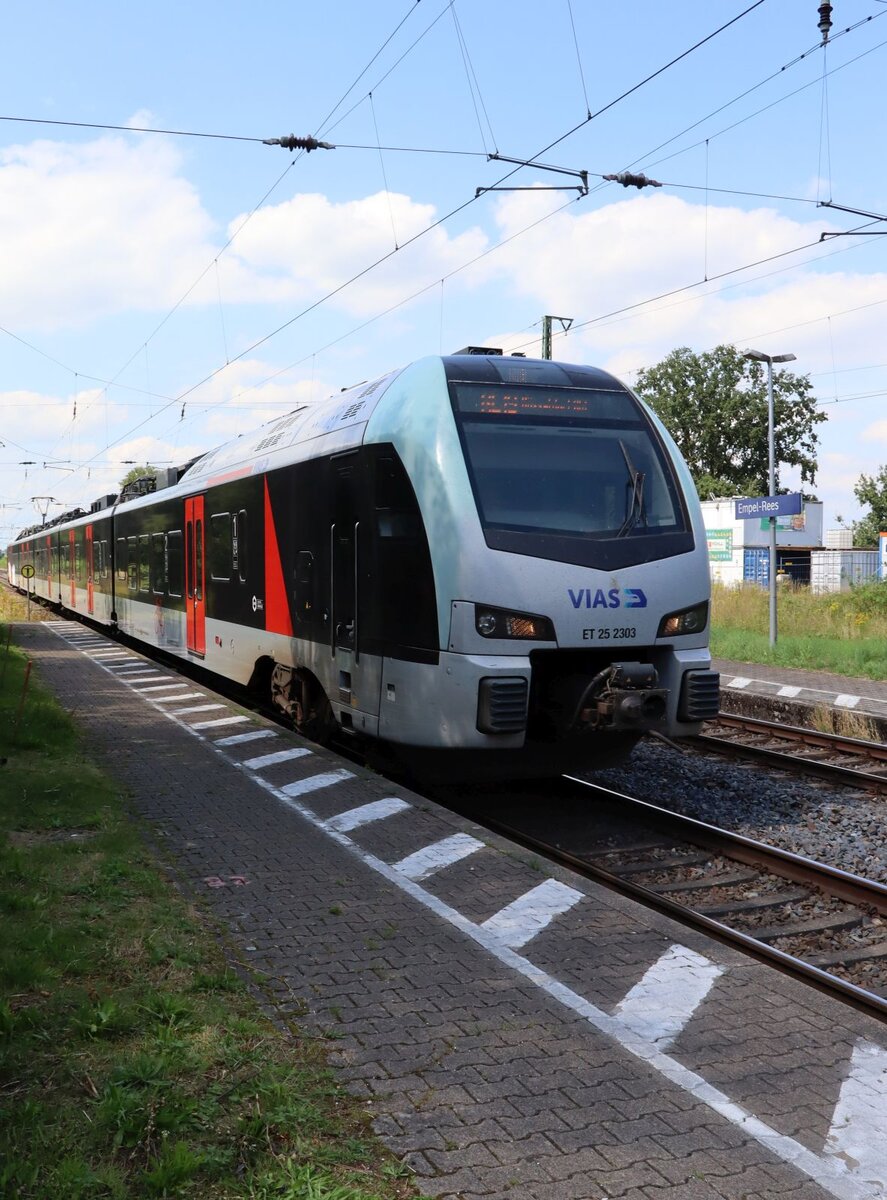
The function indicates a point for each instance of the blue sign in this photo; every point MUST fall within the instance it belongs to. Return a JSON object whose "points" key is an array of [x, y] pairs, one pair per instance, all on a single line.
{"points": [[769, 506]]}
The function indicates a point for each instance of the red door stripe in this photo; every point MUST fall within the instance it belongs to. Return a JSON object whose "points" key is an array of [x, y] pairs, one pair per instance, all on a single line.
{"points": [[277, 610]]}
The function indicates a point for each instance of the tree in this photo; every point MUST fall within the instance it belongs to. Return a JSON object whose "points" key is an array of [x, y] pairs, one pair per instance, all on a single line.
{"points": [[871, 490], [714, 405], [137, 473]]}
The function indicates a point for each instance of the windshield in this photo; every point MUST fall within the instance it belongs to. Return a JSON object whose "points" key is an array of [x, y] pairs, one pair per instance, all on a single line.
{"points": [[565, 461]]}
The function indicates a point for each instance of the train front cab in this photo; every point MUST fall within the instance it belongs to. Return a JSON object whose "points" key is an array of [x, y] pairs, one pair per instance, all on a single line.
{"points": [[569, 560]]}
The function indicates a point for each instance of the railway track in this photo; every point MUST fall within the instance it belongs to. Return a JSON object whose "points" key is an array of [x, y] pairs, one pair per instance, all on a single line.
{"points": [[813, 921], [838, 759]]}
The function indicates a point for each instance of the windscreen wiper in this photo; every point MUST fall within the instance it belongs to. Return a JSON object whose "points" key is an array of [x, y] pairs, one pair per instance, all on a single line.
{"points": [[636, 483]]}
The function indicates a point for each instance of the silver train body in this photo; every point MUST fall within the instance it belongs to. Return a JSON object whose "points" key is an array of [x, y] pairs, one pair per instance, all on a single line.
{"points": [[478, 555]]}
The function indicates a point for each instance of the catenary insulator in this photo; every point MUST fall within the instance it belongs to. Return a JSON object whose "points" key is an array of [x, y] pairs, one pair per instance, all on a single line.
{"points": [[627, 179]]}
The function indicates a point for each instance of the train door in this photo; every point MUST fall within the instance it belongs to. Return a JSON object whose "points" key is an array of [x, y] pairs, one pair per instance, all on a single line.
{"points": [[195, 575], [359, 678], [90, 571], [72, 566]]}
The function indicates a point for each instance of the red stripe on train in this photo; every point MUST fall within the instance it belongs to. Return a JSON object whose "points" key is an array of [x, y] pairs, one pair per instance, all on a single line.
{"points": [[277, 611]]}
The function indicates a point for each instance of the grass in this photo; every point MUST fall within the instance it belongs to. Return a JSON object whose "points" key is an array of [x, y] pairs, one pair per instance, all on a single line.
{"points": [[842, 632], [135, 1061]]}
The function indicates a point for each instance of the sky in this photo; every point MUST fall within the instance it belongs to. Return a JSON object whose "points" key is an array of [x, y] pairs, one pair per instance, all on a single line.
{"points": [[162, 291]]}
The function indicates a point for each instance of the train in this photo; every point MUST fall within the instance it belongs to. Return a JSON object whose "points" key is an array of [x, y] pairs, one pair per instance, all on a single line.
{"points": [[478, 558]]}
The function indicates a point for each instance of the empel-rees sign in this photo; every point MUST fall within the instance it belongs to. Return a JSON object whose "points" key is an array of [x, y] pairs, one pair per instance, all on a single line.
{"points": [[769, 506]]}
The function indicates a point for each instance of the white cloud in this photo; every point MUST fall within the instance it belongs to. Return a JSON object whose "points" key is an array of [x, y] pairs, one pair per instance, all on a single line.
{"points": [[308, 246], [97, 228]]}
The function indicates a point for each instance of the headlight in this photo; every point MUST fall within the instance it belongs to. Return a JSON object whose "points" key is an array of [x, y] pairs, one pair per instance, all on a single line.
{"points": [[688, 620], [499, 623]]}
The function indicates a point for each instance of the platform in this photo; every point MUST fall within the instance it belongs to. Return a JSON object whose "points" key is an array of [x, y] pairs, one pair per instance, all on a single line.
{"points": [[517, 1031], [796, 694]]}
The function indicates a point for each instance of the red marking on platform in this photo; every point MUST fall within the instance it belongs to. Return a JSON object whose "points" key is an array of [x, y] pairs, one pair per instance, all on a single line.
{"points": [[238, 880], [277, 613], [214, 881]]}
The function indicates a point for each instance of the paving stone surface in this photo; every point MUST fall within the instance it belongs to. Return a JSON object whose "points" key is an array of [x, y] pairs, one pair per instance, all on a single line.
{"points": [[495, 1067]]}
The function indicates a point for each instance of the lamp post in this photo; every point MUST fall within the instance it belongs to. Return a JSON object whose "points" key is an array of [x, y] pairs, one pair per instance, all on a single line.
{"points": [[770, 359]]}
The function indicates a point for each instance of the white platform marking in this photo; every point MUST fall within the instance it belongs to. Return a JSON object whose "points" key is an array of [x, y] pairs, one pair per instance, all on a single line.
{"points": [[135, 672], [237, 738], [437, 856], [106, 656], [858, 1135], [739, 682], [160, 687], [355, 817], [176, 699], [827, 1171], [520, 921], [153, 677], [660, 1005], [180, 712], [217, 723], [268, 760], [845, 701], [789, 691]]}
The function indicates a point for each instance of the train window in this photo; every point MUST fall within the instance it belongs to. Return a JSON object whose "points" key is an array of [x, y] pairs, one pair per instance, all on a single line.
{"points": [[132, 563], [561, 479], [220, 546], [238, 545], [79, 567], [158, 563], [144, 562], [121, 559], [174, 560], [198, 560], [105, 558], [397, 514], [69, 556]]}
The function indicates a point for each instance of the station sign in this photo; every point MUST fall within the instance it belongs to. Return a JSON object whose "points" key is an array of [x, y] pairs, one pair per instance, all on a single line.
{"points": [[882, 557], [752, 507], [27, 571]]}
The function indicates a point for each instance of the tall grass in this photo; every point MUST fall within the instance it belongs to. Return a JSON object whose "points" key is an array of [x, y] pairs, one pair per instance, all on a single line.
{"points": [[843, 632]]}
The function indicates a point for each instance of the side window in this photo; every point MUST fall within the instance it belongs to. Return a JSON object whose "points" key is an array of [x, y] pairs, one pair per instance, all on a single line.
{"points": [[69, 558], [132, 563], [144, 562], [198, 560], [158, 564], [121, 559], [220, 546], [174, 561], [238, 545]]}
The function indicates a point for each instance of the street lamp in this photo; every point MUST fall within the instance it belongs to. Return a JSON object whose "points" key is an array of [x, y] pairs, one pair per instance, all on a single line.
{"points": [[770, 359]]}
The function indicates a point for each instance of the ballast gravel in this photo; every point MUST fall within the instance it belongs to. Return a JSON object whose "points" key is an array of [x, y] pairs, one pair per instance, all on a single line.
{"points": [[833, 824]]}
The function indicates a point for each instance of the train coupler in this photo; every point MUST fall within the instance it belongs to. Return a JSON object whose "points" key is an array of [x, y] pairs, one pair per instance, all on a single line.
{"points": [[625, 697]]}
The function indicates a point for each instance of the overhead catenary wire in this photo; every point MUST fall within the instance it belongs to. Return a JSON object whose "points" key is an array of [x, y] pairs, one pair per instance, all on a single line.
{"points": [[182, 397], [242, 225]]}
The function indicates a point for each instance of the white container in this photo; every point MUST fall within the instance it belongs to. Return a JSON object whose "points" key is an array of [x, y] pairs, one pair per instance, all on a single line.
{"points": [[839, 539], [839, 570]]}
